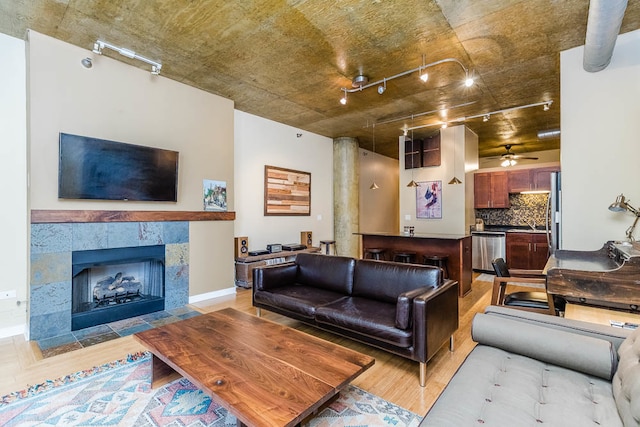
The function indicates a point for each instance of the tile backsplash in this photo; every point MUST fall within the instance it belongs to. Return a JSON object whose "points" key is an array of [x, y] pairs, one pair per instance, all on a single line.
{"points": [[524, 208]]}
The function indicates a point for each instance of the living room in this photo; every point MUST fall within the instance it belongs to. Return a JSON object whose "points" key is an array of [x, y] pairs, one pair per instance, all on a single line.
{"points": [[123, 103]]}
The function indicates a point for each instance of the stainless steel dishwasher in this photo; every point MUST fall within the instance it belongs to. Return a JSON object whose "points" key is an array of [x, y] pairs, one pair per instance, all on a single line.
{"points": [[487, 246]]}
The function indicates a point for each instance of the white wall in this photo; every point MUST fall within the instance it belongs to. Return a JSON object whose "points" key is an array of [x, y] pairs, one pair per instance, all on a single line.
{"points": [[378, 208], [457, 209], [13, 182], [600, 122], [123, 103], [260, 142]]}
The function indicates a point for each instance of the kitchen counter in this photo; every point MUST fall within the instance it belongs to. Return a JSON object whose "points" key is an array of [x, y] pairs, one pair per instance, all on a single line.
{"points": [[512, 229], [456, 246], [419, 235]]}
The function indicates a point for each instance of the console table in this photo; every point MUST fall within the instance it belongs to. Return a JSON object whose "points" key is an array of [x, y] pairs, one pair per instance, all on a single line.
{"points": [[245, 266]]}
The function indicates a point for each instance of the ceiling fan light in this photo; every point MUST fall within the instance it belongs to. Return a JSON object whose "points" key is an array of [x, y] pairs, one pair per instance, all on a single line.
{"points": [[505, 163]]}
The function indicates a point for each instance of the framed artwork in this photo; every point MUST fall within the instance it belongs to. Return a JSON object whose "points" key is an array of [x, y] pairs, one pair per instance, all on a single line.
{"points": [[286, 191], [429, 200], [214, 195]]}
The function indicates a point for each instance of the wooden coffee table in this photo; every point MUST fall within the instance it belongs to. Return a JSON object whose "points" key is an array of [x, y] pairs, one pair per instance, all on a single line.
{"points": [[264, 373]]}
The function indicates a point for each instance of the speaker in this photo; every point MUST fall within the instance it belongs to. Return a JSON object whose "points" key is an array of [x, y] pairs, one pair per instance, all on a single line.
{"points": [[306, 238], [241, 247]]}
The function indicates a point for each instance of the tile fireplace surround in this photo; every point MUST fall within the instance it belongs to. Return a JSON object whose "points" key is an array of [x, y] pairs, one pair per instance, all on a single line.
{"points": [[53, 243]]}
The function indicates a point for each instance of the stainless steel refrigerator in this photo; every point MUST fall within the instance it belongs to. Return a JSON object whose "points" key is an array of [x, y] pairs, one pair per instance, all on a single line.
{"points": [[554, 214]]}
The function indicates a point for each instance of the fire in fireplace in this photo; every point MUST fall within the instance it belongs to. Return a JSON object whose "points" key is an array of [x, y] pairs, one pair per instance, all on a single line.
{"points": [[115, 284]]}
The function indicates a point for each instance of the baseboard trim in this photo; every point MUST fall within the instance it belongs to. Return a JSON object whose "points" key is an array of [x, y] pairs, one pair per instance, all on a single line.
{"points": [[214, 294], [12, 331]]}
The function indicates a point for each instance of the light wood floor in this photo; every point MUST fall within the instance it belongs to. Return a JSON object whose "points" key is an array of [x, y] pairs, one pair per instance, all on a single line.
{"points": [[392, 377]]}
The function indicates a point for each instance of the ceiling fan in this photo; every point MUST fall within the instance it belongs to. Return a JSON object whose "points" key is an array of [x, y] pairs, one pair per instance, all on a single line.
{"points": [[510, 158]]}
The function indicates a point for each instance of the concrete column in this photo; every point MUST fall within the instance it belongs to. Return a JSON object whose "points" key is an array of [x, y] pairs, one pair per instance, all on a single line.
{"points": [[346, 208]]}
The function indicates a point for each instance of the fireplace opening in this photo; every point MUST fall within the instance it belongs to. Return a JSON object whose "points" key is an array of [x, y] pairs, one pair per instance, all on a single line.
{"points": [[115, 284]]}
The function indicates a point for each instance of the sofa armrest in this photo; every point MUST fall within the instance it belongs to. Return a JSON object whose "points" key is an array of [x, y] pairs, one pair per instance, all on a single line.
{"points": [[589, 355], [435, 319], [274, 276], [404, 304]]}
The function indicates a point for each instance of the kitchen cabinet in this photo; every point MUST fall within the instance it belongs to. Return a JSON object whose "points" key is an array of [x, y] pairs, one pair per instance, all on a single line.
{"points": [[541, 178], [534, 179], [528, 251], [490, 190]]}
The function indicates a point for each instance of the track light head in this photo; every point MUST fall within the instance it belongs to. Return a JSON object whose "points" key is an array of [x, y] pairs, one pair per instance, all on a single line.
{"points": [[547, 106], [486, 118], [469, 81], [424, 77], [343, 100]]}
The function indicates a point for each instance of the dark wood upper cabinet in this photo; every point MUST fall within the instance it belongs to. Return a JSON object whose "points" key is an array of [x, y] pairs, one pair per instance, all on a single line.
{"points": [[490, 190], [431, 151], [534, 179], [412, 154]]}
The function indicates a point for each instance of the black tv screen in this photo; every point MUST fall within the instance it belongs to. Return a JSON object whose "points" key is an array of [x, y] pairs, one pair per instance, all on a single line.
{"points": [[92, 168]]}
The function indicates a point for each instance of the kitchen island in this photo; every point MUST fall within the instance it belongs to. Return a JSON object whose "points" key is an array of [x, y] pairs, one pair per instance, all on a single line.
{"points": [[456, 246]]}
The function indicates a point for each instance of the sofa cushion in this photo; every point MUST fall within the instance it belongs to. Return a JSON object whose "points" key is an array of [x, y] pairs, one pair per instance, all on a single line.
{"points": [[384, 281], [592, 356], [298, 299], [626, 381], [333, 273], [374, 319], [496, 388]]}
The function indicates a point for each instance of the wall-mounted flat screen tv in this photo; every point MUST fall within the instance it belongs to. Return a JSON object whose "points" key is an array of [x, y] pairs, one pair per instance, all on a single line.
{"points": [[92, 168]]}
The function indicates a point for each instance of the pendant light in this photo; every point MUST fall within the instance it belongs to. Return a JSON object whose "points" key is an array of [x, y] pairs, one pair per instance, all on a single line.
{"points": [[411, 183], [455, 179], [374, 186]]}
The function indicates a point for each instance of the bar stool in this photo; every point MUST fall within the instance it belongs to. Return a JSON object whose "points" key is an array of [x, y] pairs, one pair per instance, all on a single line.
{"points": [[438, 261], [375, 253], [327, 246], [404, 256]]}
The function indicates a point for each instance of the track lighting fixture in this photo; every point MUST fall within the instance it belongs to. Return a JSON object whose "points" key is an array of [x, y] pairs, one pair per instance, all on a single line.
{"points": [[382, 87], [361, 82], [468, 81], [547, 105], [99, 45], [343, 100], [485, 116]]}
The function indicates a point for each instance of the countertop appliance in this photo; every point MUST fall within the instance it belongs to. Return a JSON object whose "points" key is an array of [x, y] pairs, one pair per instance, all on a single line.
{"points": [[487, 246]]}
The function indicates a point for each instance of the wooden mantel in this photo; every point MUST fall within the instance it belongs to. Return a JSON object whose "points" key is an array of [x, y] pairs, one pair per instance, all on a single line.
{"points": [[62, 216]]}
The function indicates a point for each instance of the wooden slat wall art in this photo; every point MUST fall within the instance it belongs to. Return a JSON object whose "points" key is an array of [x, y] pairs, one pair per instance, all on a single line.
{"points": [[286, 191]]}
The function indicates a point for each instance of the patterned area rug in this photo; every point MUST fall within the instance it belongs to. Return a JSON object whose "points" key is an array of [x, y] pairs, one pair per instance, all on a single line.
{"points": [[120, 394]]}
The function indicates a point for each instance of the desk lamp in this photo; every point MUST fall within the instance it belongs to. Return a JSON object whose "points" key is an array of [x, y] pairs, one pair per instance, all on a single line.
{"points": [[621, 205]]}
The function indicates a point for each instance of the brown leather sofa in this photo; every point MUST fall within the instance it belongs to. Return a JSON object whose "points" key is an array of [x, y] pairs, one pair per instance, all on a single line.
{"points": [[406, 309]]}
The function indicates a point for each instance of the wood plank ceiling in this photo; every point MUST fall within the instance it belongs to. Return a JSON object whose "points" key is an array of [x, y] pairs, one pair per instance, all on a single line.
{"points": [[288, 60]]}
